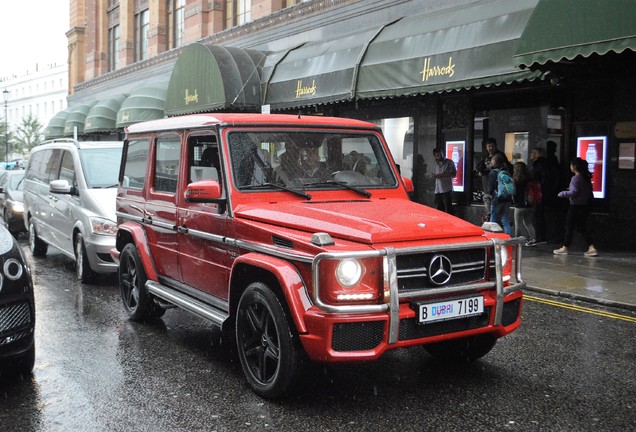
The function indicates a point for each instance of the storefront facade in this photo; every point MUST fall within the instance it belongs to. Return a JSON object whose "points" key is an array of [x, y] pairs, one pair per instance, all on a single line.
{"points": [[447, 78]]}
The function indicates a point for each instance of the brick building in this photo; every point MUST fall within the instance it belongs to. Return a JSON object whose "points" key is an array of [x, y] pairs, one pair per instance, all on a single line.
{"points": [[432, 73]]}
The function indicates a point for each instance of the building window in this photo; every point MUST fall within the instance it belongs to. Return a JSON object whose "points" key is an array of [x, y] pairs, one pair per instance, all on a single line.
{"points": [[142, 23], [238, 12], [178, 22], [243, 11], [113, 48]]}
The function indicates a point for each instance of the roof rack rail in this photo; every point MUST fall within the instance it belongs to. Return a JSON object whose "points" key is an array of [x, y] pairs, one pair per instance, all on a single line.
{"points": [[59, 140]]}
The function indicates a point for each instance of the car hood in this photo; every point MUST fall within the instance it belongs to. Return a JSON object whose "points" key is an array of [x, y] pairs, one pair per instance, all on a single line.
{"points": [[374, 221], [101, 202]]}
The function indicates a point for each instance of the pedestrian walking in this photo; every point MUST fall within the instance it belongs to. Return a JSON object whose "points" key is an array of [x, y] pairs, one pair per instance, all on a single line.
{"points": [[524, 211], [580, 195], [444, 174], [500, 205]]}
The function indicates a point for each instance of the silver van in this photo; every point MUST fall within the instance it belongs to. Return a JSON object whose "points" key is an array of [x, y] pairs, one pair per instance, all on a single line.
{"points": [[69, 202]]}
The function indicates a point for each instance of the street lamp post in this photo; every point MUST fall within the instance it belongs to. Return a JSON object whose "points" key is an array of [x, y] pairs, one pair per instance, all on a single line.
{"points": [[5, 95]]}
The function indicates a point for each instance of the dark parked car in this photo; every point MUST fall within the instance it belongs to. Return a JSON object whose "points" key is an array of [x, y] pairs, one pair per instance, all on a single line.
{"points": [[17, 309], [11, 203]]}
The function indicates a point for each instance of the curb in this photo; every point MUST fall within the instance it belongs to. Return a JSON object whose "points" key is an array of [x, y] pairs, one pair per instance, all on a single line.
{"points": [[600, 301]]}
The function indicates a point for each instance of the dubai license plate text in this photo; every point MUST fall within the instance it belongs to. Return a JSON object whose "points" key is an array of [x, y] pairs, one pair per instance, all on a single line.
{"points": [[450, 309]]}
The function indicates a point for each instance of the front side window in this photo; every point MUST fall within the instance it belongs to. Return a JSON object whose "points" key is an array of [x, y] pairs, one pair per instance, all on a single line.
{"points": [[136, 161], [67, 169], [308, 160], [167, 164], [100, 166]]}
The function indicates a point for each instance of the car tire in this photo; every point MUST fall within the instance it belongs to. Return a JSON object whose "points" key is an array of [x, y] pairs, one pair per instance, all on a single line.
{"points": [[132, 284], [269, 352], [36, 245], [83, 269], [462, 350]]}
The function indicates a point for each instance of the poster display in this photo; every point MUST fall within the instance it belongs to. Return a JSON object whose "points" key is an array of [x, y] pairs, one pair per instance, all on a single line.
{"points": [[594, 151], [456, 151]]}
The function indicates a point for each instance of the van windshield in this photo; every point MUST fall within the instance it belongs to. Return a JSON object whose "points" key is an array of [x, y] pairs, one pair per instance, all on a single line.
{"points": [[101, 166], [308, 160]]}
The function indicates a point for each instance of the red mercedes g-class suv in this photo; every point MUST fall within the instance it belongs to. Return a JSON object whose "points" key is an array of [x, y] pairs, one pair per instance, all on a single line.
{"points": [[295, 234]]}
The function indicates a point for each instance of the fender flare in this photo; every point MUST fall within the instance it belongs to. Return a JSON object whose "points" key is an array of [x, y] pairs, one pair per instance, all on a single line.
{"points": [[138, 235], [289, 279]]}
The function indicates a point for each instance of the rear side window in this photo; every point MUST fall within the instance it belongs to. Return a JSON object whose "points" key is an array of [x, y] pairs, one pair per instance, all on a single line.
{"points": [[136, 161]]}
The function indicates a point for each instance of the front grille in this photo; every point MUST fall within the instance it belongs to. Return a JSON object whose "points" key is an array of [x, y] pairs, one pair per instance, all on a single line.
{"points": [[410, 329], [357, 336], [14, 317], [467, 266]]}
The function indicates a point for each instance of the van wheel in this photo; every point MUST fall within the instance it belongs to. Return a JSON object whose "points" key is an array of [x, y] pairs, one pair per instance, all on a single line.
{"points": [[37, 246], [83, 269], [132, 284], [465, 349], [269, 353]]}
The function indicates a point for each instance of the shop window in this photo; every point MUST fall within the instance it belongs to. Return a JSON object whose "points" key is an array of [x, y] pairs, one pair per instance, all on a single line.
{"points": [[516, 147], [398, 133]]}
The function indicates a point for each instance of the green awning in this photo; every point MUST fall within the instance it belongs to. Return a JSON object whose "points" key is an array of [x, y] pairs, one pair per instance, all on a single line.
{"points": [[461, 47], [76, 118], [145, 103], [209, 78], [563, 29], [55, 128], [316, 72], [103, 116]]}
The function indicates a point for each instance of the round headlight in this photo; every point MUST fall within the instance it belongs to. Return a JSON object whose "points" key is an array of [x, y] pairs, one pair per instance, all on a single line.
{"points": [[349, 272]]}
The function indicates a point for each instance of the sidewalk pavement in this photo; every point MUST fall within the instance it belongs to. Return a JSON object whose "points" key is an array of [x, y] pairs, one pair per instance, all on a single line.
{"points": [[608, 279]]}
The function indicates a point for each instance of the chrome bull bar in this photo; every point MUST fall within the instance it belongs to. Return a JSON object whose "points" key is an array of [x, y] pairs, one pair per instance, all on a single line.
{"points": [[390, 282]]}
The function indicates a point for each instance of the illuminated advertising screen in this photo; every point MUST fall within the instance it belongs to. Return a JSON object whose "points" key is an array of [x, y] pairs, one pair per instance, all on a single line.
{"points": [[594, 151], [456, 151]]}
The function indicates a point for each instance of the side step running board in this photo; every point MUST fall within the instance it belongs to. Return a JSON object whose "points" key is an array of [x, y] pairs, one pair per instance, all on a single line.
{"points": [[186, 302]]}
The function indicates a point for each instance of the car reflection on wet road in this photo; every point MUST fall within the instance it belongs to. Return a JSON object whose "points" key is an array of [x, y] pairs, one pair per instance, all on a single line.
{"points": [[97, 371]]}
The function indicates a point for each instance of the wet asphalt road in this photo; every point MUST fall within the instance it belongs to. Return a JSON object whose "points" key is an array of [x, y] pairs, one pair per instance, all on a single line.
{"points": [[564, 370]]}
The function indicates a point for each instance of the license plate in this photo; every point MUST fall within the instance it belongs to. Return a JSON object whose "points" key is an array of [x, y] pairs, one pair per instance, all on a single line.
{"points": [[449, 309]]}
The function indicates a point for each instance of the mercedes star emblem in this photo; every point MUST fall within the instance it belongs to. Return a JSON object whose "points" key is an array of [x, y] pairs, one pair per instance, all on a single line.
{"points": [[440, 270]]}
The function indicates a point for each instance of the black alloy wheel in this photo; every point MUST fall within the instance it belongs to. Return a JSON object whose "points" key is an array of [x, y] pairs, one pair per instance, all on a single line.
{"points": [[269, 352], [132, 284]]}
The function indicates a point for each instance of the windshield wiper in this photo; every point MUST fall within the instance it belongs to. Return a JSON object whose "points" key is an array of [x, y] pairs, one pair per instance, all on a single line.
{"points": [[300, 193], [343, 184]]}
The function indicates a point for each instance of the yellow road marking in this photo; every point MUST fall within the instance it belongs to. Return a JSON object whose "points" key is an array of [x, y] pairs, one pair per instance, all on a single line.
{"points": [[580, 308]]}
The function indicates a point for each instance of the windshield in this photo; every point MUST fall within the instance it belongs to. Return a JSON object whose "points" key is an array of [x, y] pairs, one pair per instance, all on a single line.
{"points": [[308, 160], [101, 166], [15, 181]]}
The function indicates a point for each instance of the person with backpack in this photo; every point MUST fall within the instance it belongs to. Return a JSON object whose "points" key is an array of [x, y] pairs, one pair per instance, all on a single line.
{"points": [[525, 200], [580, 195], [502, 189]]}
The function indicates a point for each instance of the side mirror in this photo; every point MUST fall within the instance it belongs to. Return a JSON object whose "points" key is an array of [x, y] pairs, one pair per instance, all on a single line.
{"points": [[60, 186], [204, 191], [408, 184]]}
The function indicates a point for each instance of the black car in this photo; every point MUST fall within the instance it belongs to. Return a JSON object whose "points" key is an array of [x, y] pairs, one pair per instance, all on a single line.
{"points": [[17, 309], [11, 203]]}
